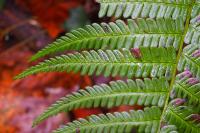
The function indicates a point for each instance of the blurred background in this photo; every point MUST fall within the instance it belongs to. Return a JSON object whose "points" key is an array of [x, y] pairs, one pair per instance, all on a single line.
{"points": [[25, 27]]}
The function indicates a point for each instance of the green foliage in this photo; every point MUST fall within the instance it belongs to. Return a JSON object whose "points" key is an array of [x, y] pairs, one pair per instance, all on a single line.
{"points": [[140, 32], [147, 92], [157, 63], [169, 129], [144, 8], [141, 121], [158, 49]]}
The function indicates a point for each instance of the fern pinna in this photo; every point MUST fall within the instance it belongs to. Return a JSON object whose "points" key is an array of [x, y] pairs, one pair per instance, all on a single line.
{"points": [[157, 48]]}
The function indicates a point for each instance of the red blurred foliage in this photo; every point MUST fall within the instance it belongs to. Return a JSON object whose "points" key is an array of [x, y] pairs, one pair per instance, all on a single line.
{"points": [[125, 108], [83, 113], [51, 13], [34, 87], [15, 62]]}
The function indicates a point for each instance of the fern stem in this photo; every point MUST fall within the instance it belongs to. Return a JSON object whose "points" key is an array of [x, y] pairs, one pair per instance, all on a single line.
{"points": [[178, 58]]}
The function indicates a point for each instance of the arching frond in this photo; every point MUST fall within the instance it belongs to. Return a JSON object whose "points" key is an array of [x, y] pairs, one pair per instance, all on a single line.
{"points": [[190, 60], [187, 87], [125, 122], [144, 8], [146, 93], [140, 32], [143, 62], [184, 119]]}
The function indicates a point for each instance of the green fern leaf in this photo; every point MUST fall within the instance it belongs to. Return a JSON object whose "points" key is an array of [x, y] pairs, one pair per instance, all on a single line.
{"points": [[144, 62], [144, 8], [147, 92], [140, 32], [142, 121]]}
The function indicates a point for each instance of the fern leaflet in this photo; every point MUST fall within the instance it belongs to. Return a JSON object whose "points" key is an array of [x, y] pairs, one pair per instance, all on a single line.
{"points": [[147, 120], [147, 92], [158, 63], [140, 32]]}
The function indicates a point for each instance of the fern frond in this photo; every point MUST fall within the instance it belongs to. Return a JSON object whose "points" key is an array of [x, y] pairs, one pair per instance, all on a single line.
{"points": [[144, 8], [187, 87], [143, 62], [183, 118], [147, 93], [140, 32], [125, 122], [190, 60]]}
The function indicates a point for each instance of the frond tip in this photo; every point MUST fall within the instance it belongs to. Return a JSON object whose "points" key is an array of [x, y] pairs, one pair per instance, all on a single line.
{"points": [[147, 93], [124, 122], [143, 62]]}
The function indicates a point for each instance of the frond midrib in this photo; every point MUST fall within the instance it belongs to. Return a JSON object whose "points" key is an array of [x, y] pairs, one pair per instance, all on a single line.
{"points": [[148, 2], [161, 92], [91, 97], [45, 66], [117, 34], [180, 51], [110, 35], [49, 67], [124, 63]]}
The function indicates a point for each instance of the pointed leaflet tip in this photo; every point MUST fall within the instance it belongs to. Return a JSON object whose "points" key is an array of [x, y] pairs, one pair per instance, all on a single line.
{"points": [[196, 53], [193, 81], [186, 74], [178, 101], [194, 117]]}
